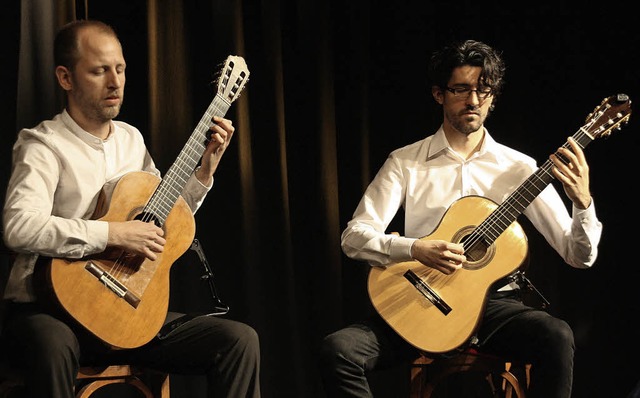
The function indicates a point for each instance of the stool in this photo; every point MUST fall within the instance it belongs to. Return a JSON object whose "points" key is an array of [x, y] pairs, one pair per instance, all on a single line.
{"points": [[427, 373], [150, 383]]}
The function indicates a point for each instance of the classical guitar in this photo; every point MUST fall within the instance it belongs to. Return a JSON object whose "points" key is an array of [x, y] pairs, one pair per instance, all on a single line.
{"points": [[439, 313], [120, 298]]}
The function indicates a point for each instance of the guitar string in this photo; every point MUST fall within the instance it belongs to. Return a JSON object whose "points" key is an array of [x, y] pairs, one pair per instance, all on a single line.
{"points": [[166, 195], [478, 236]]}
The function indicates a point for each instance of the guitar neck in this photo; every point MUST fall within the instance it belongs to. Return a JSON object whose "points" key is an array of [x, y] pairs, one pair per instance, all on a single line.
{"points": [[507, 212], [174, 181]]}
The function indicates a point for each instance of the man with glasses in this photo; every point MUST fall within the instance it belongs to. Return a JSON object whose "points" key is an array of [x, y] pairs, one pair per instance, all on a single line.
{"points": [[426, 178]]}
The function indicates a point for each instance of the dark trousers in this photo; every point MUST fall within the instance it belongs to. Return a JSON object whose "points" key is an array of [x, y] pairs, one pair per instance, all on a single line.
{"points": [[509, 329], [225, 351]]}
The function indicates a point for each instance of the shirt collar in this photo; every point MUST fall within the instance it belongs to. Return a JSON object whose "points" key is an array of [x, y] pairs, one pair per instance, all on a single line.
{"points": [[82, 133], [439, 146]]}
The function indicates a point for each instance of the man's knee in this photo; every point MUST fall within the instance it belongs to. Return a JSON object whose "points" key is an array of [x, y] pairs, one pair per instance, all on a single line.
{"points": [[249, 337], [334, 347], [560, 335], [51, 338]]}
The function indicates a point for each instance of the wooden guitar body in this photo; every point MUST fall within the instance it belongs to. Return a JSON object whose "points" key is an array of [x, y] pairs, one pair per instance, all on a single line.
{"points": [[414, 315], [129, 313]]}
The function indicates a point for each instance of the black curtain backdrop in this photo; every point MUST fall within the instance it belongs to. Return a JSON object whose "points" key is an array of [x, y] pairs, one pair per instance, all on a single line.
{"points": [[334, 87]]}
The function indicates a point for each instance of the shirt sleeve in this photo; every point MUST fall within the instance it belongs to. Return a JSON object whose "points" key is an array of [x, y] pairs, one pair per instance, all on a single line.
{"points": [[29, 225], [574, 236], [365, 238], [194, 192]]}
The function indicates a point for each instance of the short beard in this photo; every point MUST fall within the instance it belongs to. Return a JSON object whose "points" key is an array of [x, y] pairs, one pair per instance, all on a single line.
{"points": [[464, 128], [110, 113]]}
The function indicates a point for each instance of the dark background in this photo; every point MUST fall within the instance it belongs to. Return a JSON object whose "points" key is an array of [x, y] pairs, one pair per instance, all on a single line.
{"points": [[334, 88]]}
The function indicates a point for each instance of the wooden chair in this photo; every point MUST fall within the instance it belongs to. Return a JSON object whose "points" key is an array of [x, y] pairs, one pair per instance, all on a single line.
{"points": [[505, 379], [151, 384]]}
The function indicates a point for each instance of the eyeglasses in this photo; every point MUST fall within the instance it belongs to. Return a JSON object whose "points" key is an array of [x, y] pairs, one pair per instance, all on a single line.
{"points": [[464, 92]]}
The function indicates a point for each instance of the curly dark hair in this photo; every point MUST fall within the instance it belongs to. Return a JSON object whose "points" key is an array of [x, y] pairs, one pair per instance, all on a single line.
{"points": [[468, 52]]}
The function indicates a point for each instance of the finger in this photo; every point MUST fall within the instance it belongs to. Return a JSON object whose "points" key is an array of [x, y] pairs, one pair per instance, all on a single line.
{"points": [[577, 150], [449, 267], [561, 165], [447, 270], [155, 247], [149, 254], [223, 124], [217, 133], [566, 157]]}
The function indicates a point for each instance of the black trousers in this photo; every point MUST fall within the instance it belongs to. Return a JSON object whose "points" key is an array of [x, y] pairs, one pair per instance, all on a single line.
{"points": [[225, 351], [509, 328]]}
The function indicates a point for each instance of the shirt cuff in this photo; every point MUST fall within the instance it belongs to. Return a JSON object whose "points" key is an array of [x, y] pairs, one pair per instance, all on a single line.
{"points": [[99, 231], [400, 249], [585, 216]]}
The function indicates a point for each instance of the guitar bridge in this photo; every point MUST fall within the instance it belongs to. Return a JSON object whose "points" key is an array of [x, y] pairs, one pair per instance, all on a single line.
{"points": [[427, 292], [112, 283]]}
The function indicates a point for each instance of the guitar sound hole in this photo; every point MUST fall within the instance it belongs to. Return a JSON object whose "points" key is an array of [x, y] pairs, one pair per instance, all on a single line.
{"points": [[478, 253], [147, 217], [475, 251]]}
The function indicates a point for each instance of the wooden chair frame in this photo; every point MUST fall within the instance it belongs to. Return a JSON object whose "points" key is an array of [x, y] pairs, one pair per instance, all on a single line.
{"points": [[427, 373], [150, 383]]}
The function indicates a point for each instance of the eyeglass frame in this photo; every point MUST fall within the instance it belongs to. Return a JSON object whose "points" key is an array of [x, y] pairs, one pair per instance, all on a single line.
{"points": [[482, 96]]}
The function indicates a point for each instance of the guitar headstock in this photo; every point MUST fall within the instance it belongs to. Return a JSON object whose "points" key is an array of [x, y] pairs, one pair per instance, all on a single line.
{"points": [[233, 77], [612, 113]]}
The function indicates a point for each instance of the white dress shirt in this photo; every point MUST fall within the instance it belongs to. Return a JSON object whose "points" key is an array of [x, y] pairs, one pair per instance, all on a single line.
{"points": [[58, 172], [426, 177]]}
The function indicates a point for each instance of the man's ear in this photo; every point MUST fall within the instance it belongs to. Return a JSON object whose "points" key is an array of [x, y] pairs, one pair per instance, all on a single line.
{"points": [[438, 95], [64, 77]]}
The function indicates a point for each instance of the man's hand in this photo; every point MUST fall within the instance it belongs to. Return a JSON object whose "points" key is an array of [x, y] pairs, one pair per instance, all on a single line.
{"points": [[137, 237], [221, 133], [444, 256], [573, 174]]}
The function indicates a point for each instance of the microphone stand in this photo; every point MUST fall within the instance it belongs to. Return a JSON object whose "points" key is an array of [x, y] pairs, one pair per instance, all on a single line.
{"points": [[219, 308]]}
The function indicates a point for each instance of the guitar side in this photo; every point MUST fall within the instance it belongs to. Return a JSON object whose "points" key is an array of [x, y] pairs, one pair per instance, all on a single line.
{"points": [[134, 319], [418, 319]]}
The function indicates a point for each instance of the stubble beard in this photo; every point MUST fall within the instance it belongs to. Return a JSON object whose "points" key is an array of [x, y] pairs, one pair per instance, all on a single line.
{"points": [[104, 114], [465, 124], [110, 112]]}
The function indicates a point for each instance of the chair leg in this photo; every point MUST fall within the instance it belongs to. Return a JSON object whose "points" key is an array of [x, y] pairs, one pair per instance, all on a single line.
{"points": [[158, 383], [150, 383], [92, 387], [500, 375], [511, 384]]}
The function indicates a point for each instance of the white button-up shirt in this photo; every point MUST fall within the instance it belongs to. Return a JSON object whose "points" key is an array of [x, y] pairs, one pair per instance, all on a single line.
{"points": [[58, 173], [426, 177]]}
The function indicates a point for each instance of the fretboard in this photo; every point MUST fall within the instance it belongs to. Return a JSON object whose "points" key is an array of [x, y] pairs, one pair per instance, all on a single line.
{"points": [[174, 181], [507, 212]]}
